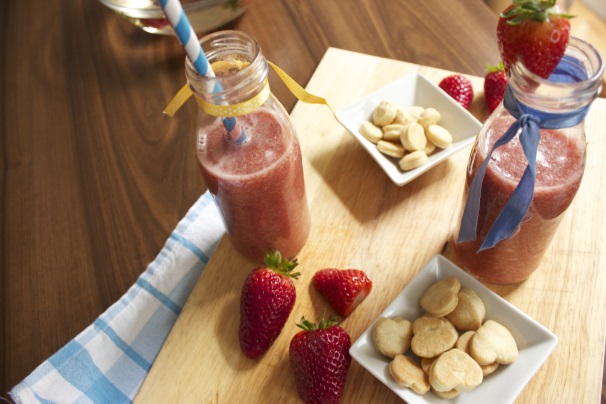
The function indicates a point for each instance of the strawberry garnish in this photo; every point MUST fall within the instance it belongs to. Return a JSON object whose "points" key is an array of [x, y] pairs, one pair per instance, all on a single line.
{"points": [[267, 298], [344, 289], [459, 88], [536, 32], [320, 359], [495, 83]]}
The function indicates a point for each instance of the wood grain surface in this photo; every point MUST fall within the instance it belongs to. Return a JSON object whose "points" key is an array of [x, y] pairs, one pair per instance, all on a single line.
{"points": [[360, 219], [93, 177]]}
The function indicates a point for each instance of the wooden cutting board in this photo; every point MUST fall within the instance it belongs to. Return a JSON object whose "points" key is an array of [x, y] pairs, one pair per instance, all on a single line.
{"points": [[360, 219]]}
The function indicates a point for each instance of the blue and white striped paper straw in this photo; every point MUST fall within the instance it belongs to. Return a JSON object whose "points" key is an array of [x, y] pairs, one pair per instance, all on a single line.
{"points": [[180, 23], [186, 35]]}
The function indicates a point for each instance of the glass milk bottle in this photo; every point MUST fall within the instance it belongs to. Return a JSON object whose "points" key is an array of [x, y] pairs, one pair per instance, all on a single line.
{"points": [[503, 242], [255, 173]]}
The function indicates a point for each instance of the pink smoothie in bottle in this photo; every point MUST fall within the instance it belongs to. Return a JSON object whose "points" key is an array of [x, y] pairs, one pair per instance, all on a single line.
{"points": [[560, 164], [258, 185]]}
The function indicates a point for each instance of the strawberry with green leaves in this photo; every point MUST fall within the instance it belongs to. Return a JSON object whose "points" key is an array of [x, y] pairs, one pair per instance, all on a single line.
{"points": [[344, 289], [267, 298], [495, 83], [534, 31], [320, 359]]}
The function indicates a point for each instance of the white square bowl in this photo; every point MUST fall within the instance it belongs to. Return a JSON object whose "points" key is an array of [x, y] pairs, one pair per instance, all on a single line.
{"points": [[414, 89], [535, 342]]}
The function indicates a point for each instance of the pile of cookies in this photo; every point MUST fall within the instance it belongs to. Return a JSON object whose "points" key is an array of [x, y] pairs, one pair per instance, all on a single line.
{"points": [[410, 134], [452, 347]]}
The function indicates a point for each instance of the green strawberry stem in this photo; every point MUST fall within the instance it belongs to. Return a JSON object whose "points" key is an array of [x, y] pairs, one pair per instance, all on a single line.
{"points": [[497, 68], [274, 261], [535, 10], [307, 325]]}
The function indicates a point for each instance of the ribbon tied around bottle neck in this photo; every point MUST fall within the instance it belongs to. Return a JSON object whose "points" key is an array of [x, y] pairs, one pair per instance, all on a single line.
{"points": [[528, 123], [248, 106]]}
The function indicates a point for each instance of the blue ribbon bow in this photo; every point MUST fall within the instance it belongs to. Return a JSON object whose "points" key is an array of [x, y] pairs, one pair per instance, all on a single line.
{"points": [[529, 120]]}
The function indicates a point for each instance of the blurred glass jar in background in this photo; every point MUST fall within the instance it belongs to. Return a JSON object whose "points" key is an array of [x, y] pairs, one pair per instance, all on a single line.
{"points": [[204, 15]]}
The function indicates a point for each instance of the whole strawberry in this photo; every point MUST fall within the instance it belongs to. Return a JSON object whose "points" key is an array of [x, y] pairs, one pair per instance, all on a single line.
{"points": [[267, 298], [459, 88], [536, 32], [344, 289], [320, 359], [495, 83]]}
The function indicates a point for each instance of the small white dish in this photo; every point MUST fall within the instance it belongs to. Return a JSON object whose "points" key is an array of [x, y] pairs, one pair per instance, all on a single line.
{"points": [[414, 89], [535, 342]]}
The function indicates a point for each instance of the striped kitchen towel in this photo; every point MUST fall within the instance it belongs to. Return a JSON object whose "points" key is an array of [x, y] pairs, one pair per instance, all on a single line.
{"points": [[109, 360]]}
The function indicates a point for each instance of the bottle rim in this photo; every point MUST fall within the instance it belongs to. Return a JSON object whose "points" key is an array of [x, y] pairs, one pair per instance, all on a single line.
{"points": [[229, 45], [534, 90]]}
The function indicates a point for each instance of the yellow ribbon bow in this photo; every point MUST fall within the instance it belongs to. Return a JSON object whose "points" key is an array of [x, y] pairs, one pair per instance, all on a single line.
{"points": [[235, 110]]}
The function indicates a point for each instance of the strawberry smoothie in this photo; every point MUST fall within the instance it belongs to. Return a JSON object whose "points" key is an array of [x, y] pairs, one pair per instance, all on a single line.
{"points": [[258, 185], [560, 166]]}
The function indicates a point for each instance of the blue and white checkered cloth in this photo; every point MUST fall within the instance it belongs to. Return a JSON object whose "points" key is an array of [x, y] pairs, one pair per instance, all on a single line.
{"points": [[109, 360]]}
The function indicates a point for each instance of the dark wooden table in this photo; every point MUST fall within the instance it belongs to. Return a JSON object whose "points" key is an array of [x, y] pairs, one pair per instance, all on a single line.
{"points": [[93, 177]]}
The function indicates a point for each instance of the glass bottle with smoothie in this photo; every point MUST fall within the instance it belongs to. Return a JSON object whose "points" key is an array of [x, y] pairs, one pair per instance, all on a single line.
{"points": [[255, 173], [560, 163]]}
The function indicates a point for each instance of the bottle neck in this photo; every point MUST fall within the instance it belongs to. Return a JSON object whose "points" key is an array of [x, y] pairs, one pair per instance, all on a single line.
{"points": [[239, 66], [575, 83]]}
